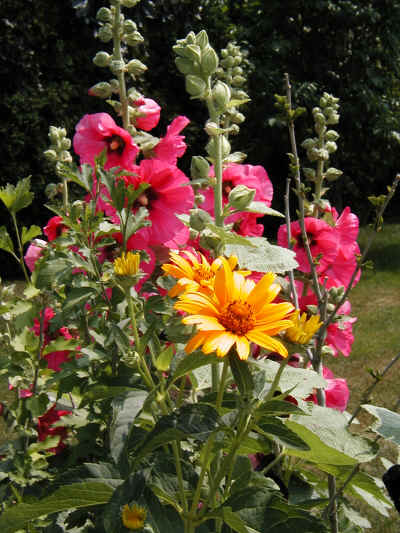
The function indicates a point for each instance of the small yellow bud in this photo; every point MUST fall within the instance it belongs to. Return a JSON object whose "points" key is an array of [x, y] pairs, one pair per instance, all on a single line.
{"points": [[133, 517]]}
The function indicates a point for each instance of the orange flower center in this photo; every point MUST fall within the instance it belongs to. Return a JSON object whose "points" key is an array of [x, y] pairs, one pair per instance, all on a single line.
{"points": [[202, 273], [116, 144], [238, 317]]}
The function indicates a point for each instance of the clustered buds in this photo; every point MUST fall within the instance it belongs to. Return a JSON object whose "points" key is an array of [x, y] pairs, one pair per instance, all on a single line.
{"points": [[58, 151], [320, 148]]}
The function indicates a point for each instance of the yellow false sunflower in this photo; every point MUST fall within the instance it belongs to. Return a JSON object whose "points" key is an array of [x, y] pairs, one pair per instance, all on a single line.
{"points": [[194, 273], [133, 517], [303, 329], [236, 312], [127, 264]]}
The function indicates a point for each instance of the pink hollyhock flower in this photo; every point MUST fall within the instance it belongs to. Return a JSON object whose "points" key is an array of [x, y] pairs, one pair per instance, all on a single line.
{"points": [[336, 393], [34, 252], [172, 145], [98, 132], [347, 230], [54, 228], [22, 393], [340, 334], [45, 427], [322, 239], [48, 315], [169, 194], [149, 113], [254, 177], [339, 272]]}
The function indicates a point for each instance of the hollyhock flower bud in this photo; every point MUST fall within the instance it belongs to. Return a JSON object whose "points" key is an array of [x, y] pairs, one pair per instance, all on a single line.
{"points": [[105, 33], [195, 86], [129, 3], [199, 219], [199, 168], [332, 135], [221, 94], [212, 148], [136, 67], [185, 66], [241, 197], [331, 146], [34, 252], [133, 39], [129, 26], [333, 174], [101, 90], [238, 81], [50, 155], [209, 61], [149, 114], [104, 15], [102, 59]]}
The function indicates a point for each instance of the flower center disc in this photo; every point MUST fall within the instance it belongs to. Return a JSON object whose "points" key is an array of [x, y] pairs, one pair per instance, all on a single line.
{"points": [[116, 144], [238, 317]]}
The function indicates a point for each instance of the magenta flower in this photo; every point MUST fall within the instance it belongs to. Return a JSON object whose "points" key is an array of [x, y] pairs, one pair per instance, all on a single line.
{"points": [[340, 334], [169, 193], [339, 272], [98, 132], [336, 393], [45, 427], [322, 238], [34, 252], [172, 145], [149, 113], [253, 177], [347, 230]]}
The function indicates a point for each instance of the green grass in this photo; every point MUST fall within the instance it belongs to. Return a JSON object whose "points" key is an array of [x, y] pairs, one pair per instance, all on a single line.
{"points": [[376, 304]]}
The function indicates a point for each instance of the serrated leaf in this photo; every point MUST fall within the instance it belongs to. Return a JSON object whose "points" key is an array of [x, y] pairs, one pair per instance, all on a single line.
{"points": [[54, 271], [261, 256], [230, 238], [278, 408], [29, 234], [6, 242], [17, 197], [72, 496], [388, 423]]}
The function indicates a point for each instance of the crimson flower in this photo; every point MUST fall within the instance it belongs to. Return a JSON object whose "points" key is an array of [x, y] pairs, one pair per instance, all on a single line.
{"points": [[45, 427]]}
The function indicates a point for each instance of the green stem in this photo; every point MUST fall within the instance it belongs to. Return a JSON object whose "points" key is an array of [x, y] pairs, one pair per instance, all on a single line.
{"points": [[117, 56], [277, 378], [65, 195], [221, 389], [20, 247]]}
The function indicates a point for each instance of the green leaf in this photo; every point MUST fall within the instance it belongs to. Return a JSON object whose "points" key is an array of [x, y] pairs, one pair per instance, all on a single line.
{"points": [[125, 410], [330, 441], [230, 238], [234, 521], [388, 423], [61, 344], [52, 271], [29, 234], [102, 392], [78, 297], [195, 421], [278, 408], [261, 256], [301, 382], [241, 375], [5, 240], [191, 362], [72, 496], [17, 197], [276, 428], [262, 208], [163, 361]]}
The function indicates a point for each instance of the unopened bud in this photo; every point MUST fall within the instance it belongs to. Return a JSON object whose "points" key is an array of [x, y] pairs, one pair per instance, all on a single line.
{"points": [[327, 351], [105, 33], [202, 39], [54, 134], [133, 39], [309, 173], [185, 66], [221, 94], [102, 90], [104, 15], [332, 135], [65, 157], [195, 86], [199, 168], [331, 146], [333, 174], [51, 191], [102, 59], [238, 81], [199, 219], [238, 118], [129, 3], [241, 197], [212, 148], [208, 239], [136, 67], [212, 128], [209, 61], [193, 52], [50, 155], [129, 26]]}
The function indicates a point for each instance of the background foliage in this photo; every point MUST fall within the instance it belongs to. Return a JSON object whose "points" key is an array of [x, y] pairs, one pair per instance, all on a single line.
{"points": [[349, 48]]}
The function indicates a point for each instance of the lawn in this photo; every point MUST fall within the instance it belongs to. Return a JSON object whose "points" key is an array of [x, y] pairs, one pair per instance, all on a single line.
{"points": [[376, 304]]}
